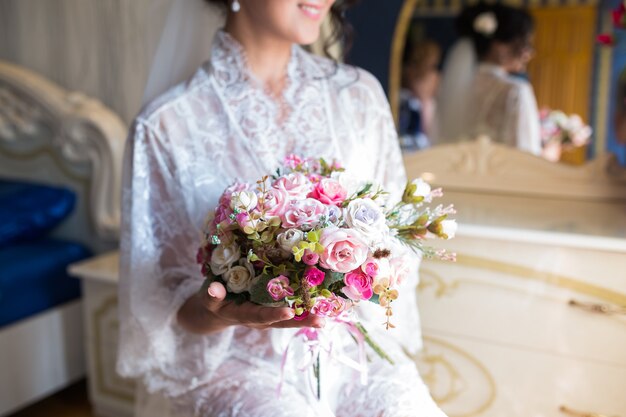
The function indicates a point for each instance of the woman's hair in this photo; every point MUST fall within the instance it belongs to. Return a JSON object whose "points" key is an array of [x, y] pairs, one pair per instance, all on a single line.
{"points": [[342, 29], [513, 26], [422, 56]]}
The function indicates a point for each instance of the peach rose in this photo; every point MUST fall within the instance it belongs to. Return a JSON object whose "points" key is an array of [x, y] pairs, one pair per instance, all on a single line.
{"points": [[304, 214], [296, 185], [343, 250]]}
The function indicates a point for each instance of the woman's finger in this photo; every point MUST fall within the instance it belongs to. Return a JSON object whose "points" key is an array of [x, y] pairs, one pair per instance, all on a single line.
{"points": [[214, 295], [248, 313], [310, 321]]}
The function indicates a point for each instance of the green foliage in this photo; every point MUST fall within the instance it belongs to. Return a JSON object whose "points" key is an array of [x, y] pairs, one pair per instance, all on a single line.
{"points": [[332, 278], [236, 298], [258, 292]]}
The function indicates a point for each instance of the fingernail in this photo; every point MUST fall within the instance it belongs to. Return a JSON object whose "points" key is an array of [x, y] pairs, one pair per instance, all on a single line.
{"points": [[211, 293], [289, 315]]}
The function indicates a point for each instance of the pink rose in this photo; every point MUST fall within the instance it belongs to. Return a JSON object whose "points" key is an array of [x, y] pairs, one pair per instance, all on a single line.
{"points": [[279, 288], [313, 276], [358, 285], [310, 258], [222, 214], [323, 307], [329, 191], [296, 185], [343, 250], [370, 267], [292, 161], [303, 214], [245, 221], [275, 202], [339, 305]]}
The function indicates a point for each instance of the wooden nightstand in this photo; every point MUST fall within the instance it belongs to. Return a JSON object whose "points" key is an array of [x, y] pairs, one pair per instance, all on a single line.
{"points": [[110, 395]]}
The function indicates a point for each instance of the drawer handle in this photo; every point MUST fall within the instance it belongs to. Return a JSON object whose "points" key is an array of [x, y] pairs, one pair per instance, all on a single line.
{"points": [[575, 413], [607, 309]]}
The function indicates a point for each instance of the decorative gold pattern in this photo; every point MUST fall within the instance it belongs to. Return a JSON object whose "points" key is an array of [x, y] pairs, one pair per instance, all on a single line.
{"points": [[397, 48], [575, 413], [431, 362], [101, 385], [558, 280], [430, 278], [599, 308]]}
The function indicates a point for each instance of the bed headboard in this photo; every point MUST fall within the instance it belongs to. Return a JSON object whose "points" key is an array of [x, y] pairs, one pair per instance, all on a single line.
{"points": [[482, 166], [53, 136]]}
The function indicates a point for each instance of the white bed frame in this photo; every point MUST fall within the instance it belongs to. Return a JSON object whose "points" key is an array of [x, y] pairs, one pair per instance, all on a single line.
{"points": [[52, 136]]}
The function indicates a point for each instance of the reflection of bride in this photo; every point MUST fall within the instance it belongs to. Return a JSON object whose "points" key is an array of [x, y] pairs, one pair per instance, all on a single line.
{"points": [[479, 96], [259, 98]]}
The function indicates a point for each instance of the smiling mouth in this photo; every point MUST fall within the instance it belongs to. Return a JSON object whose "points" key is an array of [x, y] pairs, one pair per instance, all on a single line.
{"points": [[313, 11]]}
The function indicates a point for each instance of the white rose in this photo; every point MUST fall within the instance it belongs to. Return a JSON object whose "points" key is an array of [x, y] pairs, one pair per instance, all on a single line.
{"points": [[350, 183], [422, 188], [223, 257], [243, 200], [239, 278], [290, 238], [367, 218], [448, 227]]}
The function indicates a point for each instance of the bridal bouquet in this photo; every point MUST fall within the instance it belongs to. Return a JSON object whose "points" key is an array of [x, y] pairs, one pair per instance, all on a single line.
{"points": [[561, 132], [313, 238]]}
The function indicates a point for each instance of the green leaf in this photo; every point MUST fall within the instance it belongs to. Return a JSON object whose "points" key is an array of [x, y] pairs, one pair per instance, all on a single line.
{"points": [[236, 298], [258, 292], [374, 299], [331, 278]]}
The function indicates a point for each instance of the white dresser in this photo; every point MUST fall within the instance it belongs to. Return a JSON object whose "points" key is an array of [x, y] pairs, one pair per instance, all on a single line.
{"points": [[531, 319]]}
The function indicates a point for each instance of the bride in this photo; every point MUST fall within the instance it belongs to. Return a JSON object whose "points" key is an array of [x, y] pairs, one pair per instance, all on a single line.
{"points": [[478, 94], [257, 99]]}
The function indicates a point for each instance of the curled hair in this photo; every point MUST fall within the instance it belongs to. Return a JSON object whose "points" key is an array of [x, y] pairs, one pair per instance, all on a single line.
{"points": [[341, 29], [514, 26]]}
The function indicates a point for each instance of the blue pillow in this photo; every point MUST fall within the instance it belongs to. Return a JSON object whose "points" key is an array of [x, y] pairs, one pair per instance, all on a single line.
{"points": [[29, 211]]}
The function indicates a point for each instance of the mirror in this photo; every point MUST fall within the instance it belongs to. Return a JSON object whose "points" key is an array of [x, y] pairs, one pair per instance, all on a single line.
{"points": [[570, 74]]}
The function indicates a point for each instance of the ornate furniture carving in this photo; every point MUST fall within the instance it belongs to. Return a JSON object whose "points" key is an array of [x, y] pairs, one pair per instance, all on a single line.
{"points": [[530, 319]]}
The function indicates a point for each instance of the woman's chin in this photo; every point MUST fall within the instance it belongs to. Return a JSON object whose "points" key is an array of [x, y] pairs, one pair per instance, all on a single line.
{"points": [[307, 37]]}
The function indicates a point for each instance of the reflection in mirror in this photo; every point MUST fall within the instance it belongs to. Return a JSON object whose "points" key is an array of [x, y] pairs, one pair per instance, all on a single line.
{"points": [[521, 76]]}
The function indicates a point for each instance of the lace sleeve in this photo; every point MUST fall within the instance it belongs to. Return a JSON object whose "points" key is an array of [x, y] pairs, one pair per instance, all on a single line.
{"points": [[158, 273], [380, 126], [523, 123]]}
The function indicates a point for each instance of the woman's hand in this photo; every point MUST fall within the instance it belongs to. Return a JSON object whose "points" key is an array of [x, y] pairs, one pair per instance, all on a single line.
{"points": [[208, 312]]}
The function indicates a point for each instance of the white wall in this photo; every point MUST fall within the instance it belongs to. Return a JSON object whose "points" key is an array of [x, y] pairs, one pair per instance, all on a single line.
{"points": [[101, 47]]}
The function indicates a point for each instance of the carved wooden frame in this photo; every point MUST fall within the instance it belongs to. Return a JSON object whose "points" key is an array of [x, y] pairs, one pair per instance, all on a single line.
{"points": [[83, 131], [484, 166]]}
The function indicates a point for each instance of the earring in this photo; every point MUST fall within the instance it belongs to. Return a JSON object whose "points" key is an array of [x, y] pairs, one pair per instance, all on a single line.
{"points": [[235, 7]]}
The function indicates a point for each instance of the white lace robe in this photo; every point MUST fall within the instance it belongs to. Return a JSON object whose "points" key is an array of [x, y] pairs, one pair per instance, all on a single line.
{"points": [[503, 108], [184, 150]]}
